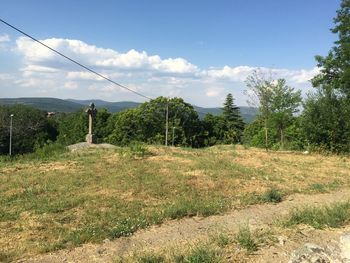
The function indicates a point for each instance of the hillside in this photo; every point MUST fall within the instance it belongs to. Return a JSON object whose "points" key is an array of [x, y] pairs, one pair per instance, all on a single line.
{"points": [[71, 105], [108, 194]]}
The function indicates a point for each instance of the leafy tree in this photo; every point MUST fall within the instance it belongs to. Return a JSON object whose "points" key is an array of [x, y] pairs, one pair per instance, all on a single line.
{"points": [[234, 124], [126, 127], [284, 103], [277, 104], [213, 130], [31, 129], [335, 67], [147, 123], [326, 120], [260, 93]]}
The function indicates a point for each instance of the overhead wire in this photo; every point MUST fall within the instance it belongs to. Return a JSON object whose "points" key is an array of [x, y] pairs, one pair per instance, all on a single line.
{"points": [[74, 61]]}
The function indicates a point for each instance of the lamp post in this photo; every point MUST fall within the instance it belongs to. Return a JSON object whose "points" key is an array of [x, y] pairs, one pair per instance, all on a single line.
{"points": [[10, 150]]}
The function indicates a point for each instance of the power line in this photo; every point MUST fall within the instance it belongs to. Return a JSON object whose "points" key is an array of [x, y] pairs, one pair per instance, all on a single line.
{"points": [[74, 61]]}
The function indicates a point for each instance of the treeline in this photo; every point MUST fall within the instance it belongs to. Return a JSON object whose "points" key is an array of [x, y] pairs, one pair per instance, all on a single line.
{"points": [[146, 123]]}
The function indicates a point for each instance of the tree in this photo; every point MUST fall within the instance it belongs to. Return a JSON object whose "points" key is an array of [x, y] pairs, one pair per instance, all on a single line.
{"points": [[326, 120], [277, 104], [259, 92], [234, 124], [31, 128], [147, 123], [284, 104], [335, 67]]}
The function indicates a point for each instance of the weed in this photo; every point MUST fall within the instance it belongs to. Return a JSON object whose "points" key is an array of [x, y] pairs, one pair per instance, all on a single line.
{"points": [[137, 149], [223, 240], [335, 215], [245, 239], [272, 195], [201, 254]]}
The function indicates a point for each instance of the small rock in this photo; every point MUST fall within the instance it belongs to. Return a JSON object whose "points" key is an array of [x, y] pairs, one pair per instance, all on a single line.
{"points": [[345, 246], [310, 253], [106, 240], [281, 240]]}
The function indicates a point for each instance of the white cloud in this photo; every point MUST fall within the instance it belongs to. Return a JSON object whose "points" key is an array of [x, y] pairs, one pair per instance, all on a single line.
{"points": [[149, 74], [79, 75], [70, 85], [4, 38], [214, 92]]}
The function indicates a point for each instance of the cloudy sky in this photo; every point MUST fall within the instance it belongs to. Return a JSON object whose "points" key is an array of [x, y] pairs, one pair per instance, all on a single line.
{"points": [[196, 49]]}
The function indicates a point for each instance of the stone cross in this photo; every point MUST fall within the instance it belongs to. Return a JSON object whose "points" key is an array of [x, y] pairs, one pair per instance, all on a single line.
{"points": [[92, 114]]}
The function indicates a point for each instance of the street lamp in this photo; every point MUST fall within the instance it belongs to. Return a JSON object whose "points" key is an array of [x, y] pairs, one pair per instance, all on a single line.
{"points": [[10, 150]]}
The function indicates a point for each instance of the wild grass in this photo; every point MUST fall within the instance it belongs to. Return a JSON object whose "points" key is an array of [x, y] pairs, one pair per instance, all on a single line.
{"points": [[67, 199], [201, 253], [271, 195], [246, 240], [335, 215]]}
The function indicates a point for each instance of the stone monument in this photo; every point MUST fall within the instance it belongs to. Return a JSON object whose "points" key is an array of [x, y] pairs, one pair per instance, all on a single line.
{"points": [[91, 111]]}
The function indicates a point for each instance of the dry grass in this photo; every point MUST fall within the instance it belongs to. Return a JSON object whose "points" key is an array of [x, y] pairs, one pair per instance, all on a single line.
{"points": [[89, 196]]}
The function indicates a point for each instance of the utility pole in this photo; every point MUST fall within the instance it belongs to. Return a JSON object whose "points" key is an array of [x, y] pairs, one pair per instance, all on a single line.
{"points": [[173, 134], [10, 148], [166, 122]]}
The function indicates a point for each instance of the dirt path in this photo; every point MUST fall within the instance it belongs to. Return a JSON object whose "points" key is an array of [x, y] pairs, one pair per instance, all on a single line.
{"points": [[172, 233]]}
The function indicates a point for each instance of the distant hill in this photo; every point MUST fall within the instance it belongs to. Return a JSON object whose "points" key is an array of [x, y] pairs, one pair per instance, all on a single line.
{"points": [[45, 104], [248, 113], [71, 105]]}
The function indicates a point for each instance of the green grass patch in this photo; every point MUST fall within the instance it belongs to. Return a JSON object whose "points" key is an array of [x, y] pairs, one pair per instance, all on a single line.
{"points": [[335, 215]]}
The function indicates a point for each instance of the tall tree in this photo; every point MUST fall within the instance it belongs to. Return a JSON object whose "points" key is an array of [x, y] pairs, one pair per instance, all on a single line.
{"points": [[233, 121], [277, 103], [335, 67], [326, 119], [284, 103], [260, 93]]}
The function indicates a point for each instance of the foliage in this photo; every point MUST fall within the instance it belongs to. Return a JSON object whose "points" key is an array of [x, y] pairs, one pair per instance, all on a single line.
{"points": [[335, 67], [278, 104], [326, 121], [31, 129], [73, 127], [326, 116], [147, 123]]}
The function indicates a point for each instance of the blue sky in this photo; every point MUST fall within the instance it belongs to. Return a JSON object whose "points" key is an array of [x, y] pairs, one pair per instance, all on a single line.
{"points": [[199, 50]]}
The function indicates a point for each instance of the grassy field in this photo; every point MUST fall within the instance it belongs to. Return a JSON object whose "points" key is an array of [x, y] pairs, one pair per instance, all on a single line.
{"points": [[82, 197]]}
